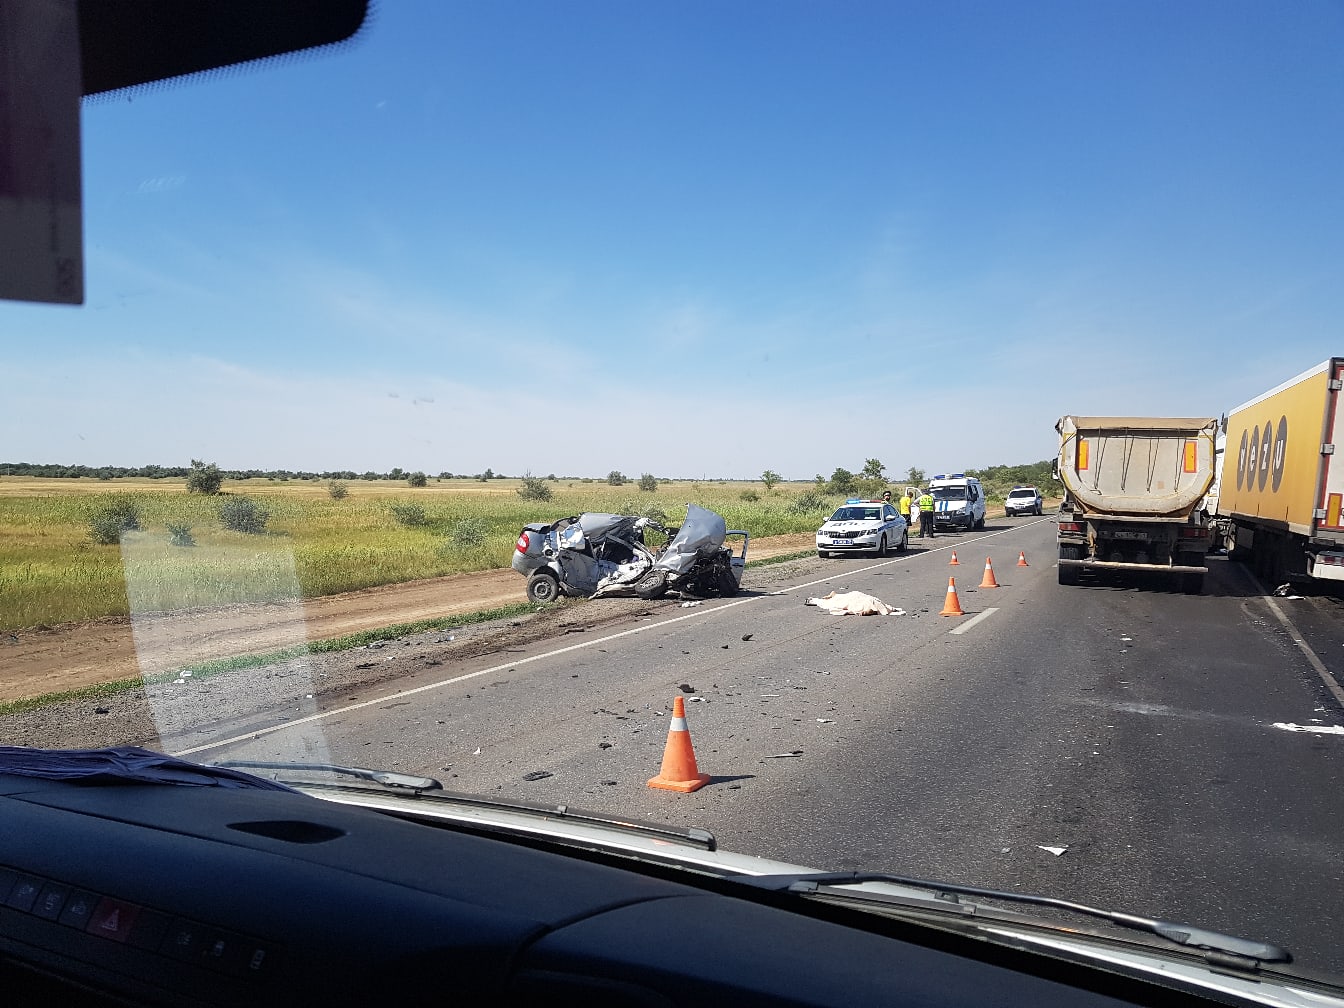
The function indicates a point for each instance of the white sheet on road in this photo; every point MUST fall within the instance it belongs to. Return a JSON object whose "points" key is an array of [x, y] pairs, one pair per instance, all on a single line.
{"points": [[854, 604]]}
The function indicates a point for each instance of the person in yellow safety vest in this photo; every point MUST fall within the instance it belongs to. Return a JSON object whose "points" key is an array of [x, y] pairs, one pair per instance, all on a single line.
{"points": [[904, 507], [925, 503]]}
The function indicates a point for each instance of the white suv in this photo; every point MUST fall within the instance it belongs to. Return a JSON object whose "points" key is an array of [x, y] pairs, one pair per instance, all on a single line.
{"points": [[1023, 500], [863, 526]]}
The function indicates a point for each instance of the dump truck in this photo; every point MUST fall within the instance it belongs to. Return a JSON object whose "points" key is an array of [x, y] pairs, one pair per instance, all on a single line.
{"points": [[1134, 489], [1280, 498]]}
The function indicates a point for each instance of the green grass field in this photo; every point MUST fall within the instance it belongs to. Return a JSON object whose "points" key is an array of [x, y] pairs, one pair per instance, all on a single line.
{"points": [[51, 570]]}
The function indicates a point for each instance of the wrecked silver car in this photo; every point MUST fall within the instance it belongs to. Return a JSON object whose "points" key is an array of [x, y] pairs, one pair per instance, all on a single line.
{"points": [[596, 554]]}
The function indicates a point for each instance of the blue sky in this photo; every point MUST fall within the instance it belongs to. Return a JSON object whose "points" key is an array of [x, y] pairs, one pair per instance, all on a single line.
{"points": [[699, 239]]}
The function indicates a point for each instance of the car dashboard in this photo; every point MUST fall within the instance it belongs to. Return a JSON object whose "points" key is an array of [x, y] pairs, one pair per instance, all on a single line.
{"points": [[132, 893]]}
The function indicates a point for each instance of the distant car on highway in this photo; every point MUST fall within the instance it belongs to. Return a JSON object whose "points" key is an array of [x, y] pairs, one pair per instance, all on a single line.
{"points": [[1023, 500], [863, 526]]}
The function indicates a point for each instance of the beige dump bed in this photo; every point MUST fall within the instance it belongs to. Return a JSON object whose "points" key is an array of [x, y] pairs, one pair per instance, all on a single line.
{"points": [[1141, 467]]}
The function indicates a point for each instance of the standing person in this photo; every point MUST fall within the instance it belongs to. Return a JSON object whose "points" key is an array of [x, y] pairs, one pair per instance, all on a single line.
{"points": [[904, 506], [926, 515], [886, 496]]}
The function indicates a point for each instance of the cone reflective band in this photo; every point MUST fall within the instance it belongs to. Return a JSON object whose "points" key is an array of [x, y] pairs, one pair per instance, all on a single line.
{"points": [[1191, 456], [679, 772]]}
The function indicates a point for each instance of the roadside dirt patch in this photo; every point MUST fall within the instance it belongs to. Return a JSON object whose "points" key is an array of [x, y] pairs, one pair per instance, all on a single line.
{"points": [[75, 655]]}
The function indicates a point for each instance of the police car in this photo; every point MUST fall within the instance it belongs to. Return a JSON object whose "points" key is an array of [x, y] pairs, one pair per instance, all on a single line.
{"points": [[958, 502], [863, 526]]}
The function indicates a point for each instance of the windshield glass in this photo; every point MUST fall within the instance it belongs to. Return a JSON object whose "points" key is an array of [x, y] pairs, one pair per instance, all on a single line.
{"points": [[857, 514], [1022, 493], [353, 320]]}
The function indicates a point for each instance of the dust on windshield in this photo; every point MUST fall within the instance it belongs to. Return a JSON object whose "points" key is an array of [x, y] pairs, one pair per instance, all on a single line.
{"points": [[356, 323]]}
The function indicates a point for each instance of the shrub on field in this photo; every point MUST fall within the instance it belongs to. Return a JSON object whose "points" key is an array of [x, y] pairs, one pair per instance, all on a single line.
{"points": [[417, 479], [654, 514], [468, 532], [808, 502], [243, 514], [204, 479], [750, 495], [534, 488], [409, 514], [616, 478], [648, 483], [180, 535], [119, 515], [338, 490]]}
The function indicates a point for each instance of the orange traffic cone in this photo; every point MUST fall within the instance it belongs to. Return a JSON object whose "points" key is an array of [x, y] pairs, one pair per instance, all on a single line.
{"points": [[952, 604], [1022, 559], [954, 562], [679, 772], [988, 580]]}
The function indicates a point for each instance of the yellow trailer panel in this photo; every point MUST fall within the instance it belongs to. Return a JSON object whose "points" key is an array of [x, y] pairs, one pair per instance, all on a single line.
{"points": [[1278, 459]]}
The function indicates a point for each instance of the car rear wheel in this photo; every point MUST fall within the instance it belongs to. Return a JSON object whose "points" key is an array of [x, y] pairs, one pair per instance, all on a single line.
{"points": [[542, 587]]}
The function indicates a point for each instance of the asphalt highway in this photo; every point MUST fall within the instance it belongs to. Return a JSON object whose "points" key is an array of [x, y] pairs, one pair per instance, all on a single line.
{"points": [[1116, 742]]}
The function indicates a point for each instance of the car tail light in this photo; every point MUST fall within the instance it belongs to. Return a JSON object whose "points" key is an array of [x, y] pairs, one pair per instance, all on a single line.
{"points": [[523, 543], [1070, 526]]}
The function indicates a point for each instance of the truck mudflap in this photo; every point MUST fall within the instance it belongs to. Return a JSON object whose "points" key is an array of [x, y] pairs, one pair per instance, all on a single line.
{"points": [[1121, 565]]}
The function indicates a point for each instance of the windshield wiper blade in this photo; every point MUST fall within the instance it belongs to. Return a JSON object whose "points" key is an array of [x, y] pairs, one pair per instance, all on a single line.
{"points": [[388, 778], [1180, 934], [694, 835]]}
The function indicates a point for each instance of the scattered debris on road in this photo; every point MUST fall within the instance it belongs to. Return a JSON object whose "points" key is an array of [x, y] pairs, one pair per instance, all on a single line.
{"points": [[785, 755], [1056, 851], [537, 775]]}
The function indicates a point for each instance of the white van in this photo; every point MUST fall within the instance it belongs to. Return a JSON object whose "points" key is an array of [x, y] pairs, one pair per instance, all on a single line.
{"points": [[958, 501]]}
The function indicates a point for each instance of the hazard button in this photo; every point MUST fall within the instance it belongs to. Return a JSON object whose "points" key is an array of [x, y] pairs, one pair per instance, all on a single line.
{"points": [[113, 919]]}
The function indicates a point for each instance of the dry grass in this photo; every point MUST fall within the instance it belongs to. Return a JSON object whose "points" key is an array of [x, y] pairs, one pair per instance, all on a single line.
{"points": [[51, 572]]}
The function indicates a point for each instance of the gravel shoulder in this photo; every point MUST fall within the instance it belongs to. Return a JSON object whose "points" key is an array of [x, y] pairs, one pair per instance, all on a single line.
{"points": [[72, 656]]}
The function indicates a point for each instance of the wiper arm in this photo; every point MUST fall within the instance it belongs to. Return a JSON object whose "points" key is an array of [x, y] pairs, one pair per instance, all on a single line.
{"points": [[1180, 934], [693, 835], [388, 778]]}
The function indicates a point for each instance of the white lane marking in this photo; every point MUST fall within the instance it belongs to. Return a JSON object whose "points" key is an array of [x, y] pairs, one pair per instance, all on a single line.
{"points": [[973, 621], [1330, 682], [1314, 729], [494, 669]]}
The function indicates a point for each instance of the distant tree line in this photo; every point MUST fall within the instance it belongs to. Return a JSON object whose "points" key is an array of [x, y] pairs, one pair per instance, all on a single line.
{"points": [[50, 471]]}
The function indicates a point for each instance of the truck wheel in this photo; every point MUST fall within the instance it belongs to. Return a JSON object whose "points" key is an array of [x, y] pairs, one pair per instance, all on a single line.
{"points": [[542, 587], [1069, 575]]}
